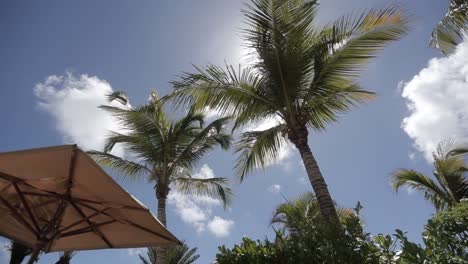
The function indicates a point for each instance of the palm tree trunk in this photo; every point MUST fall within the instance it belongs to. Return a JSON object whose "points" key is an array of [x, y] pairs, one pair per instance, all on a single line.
{"points": [[162, 210], [161, 252], [298, 136]]}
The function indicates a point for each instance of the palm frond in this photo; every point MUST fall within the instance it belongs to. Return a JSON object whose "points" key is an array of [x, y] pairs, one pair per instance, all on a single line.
{"points": [[258, 149], [293, 215], [65, 257], [418, 181], [126, 167], [321, 107], [450, 173], [118, 96], [453, 147], [200, 143], [451, 29], [352, 41], [450, 185], [152, 255], [212, 187], [175, 255], [227, 91]]}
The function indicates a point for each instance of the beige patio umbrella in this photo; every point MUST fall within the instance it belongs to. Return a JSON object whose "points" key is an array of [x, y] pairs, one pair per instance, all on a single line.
{"points": [[59, 199]]}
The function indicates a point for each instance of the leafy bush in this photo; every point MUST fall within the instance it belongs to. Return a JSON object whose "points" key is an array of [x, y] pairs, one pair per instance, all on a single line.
{"points": [[315, 241], [319, 242]]}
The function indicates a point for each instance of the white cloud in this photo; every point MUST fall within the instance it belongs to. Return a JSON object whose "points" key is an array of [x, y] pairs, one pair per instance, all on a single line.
{"points": [[302, 180], [195, 211], [73, 102], [4, 252], [220, 227], [205, 173], [191, 212], [275, 188], [437, 99]]}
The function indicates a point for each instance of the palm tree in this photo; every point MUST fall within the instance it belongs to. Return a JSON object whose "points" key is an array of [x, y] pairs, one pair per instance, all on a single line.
{"points": [[18, 252], [449, 32], [164, 151], [293, 214], [450, 170], [303, 75], [175, 255]]}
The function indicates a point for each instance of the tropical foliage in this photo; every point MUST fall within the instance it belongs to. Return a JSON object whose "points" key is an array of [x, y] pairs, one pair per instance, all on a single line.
{"points": [[164, 151], [451, 29], [175, 255], [313, 241], [445, 240], [302, 75], [450, 169], [293, 215]]}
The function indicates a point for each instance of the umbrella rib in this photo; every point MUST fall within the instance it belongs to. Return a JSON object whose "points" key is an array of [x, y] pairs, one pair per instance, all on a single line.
{"points": [[71, 171], [91, 225], [124, 221], [5, 187], [116, 205], [26, 205], [65, 199], [38, 206], [86, 229], [18, 216], [82, 220], [81, 200]]}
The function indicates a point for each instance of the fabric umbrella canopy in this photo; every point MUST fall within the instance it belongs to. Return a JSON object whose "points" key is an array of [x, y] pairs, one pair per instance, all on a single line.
{"points": [[59, 199]]}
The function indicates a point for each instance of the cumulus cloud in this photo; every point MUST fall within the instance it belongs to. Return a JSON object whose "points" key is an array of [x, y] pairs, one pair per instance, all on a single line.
{"points": [[73, 102], [220, 227], [196, 211], [275, 188], [437, 99]]}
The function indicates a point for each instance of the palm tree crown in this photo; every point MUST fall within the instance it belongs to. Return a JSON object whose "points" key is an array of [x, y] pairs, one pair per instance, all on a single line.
{"points": [[164, 151], [450, 185], [175, 255], [302, 74]]}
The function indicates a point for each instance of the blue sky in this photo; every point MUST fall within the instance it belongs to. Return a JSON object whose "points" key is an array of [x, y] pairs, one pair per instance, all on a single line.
{"points": [[94, 46]]}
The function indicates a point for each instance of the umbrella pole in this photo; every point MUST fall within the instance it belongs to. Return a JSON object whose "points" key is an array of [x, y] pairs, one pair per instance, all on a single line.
{"points": [[34, 254]]}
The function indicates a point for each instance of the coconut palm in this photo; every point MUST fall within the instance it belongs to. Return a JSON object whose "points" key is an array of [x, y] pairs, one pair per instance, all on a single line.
{"points": [[18, 252], [450, 185], [164, 151], [290, 216], [449, 32], [302, 75], [175, 255]]}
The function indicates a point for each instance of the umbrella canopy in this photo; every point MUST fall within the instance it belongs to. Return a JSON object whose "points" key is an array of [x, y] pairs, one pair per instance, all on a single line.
{"points": [[59, 199]]}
